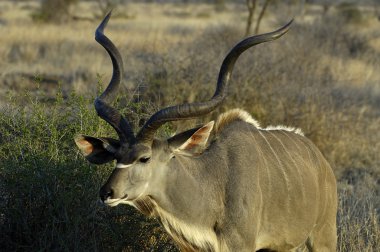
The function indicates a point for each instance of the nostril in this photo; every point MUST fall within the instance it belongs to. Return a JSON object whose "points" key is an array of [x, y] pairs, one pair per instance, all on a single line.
{"points": [[106, 194], [109, 194]]}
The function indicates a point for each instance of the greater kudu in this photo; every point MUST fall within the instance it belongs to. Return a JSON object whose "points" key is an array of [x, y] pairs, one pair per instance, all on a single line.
{"points": [[232, 186]]}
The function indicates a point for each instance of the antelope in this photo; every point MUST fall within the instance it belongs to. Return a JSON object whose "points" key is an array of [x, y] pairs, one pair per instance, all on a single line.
{"points": [[229, 185]]}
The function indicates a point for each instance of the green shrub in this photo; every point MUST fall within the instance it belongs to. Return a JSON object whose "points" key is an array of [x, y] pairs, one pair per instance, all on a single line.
{"points": [[49, 193]]}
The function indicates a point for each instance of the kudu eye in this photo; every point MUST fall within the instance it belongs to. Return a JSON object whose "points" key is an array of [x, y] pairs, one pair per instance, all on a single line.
{"points": [[144, 159]]}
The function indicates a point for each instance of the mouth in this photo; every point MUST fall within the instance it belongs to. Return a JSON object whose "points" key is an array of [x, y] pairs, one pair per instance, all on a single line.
{"points": [[115, 202]]}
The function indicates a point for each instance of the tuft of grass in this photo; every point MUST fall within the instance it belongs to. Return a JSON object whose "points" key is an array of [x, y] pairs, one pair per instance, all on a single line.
{"points": [[358, 221]]}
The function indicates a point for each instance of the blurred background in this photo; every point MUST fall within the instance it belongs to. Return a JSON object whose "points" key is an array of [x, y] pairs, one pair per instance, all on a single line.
{"points": [[322, 77]]}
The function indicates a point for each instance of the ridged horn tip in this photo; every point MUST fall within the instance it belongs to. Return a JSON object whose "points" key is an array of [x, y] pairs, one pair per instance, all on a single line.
{"points": [[103, 24], [278, 33]]}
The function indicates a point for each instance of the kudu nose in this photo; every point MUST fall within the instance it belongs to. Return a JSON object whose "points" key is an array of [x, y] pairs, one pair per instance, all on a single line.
{"points": [[106, 193]]}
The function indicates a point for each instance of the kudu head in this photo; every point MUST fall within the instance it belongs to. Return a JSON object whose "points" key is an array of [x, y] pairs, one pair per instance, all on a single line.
{"points": [[142, 160]]}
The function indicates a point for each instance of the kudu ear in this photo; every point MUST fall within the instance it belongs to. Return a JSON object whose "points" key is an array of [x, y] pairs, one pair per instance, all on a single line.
{"points": [[97, 150], [192, 142]]}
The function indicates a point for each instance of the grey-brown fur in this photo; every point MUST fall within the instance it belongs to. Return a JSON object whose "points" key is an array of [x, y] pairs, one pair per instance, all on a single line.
{"points": [[245, 188], [257, 189], [251, 189]]}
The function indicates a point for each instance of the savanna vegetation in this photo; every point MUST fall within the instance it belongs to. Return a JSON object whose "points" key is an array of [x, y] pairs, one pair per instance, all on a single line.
{"points": [[322, 77]]}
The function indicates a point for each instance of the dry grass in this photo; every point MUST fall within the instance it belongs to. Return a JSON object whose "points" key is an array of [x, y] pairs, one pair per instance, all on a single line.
{"points": [[38, 48], [322, 77]]}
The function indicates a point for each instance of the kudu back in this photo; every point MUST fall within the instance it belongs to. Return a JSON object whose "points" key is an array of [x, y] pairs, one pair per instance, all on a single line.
{"points": [[229, 185]]}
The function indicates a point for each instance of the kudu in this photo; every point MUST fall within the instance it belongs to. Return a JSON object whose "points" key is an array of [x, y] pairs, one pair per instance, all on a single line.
{"points": [[226, 186]]}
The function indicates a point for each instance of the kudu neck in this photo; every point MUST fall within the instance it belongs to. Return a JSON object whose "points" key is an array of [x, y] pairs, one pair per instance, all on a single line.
{"points": [[190, 190]]}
